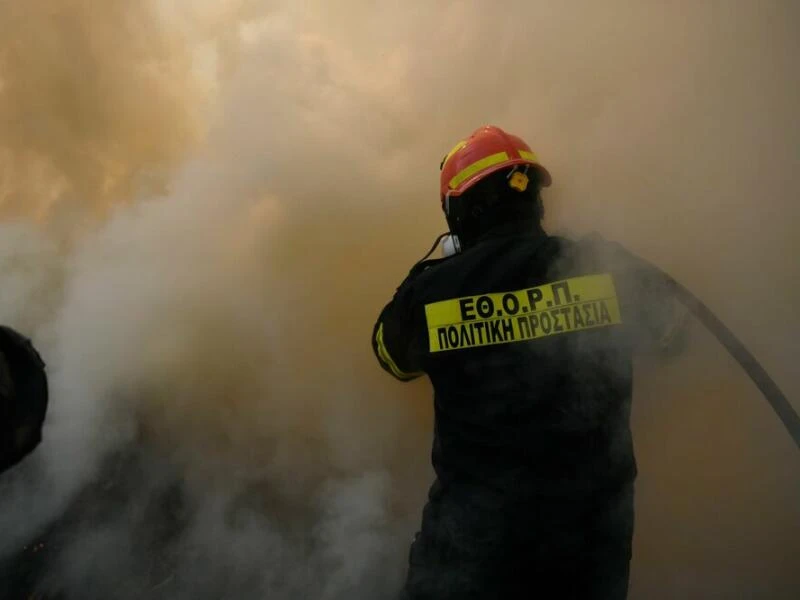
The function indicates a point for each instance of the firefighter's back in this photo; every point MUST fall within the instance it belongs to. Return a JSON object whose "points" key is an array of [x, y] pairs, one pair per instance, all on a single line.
{"points": [[531, 366]]}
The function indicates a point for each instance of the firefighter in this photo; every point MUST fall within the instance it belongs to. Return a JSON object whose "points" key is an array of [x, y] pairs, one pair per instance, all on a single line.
{"points": [[23, 397], [527, 339]]}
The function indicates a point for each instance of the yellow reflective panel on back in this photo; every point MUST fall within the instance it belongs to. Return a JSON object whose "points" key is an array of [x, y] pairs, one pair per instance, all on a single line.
{"points": [[566, 306]]}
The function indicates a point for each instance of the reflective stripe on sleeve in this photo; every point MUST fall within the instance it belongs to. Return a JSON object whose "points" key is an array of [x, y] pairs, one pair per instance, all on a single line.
{"points": [[386, 358]]}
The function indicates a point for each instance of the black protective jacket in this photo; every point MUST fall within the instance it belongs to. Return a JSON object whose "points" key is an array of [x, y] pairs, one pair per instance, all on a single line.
{"points": [[527, 340], [23, 397]]}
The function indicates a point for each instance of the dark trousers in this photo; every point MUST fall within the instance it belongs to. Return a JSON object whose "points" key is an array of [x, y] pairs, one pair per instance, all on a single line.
{"points": [[571, 549]]}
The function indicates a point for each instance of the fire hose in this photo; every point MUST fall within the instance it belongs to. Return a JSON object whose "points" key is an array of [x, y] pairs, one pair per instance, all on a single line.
{"points": [[776, 398]]}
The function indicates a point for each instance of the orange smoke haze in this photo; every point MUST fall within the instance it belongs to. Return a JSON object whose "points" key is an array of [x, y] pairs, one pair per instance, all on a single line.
{"points": [[204, 208]]}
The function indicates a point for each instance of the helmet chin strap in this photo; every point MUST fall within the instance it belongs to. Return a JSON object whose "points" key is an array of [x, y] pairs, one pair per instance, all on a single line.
{"points": [[451, 244], [449, 240], [441, 237]]}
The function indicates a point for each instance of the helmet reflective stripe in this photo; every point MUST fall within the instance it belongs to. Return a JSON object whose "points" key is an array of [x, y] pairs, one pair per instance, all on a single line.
{"points": [[476, 167], [531, 156], [456, 148]]}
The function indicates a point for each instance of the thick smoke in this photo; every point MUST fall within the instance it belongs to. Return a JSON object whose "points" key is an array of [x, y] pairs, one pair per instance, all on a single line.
{"points": [[210, 206]]}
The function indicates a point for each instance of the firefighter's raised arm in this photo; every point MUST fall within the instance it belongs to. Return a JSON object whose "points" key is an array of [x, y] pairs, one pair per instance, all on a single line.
{"points": [[395, 337]]}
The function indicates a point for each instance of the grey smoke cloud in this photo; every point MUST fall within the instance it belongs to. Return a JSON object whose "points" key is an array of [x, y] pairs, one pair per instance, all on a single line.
{"points": [[212, 203]]}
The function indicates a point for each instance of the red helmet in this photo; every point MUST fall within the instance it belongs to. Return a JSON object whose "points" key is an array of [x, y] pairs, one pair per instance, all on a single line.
{"points": [[486, 151]]}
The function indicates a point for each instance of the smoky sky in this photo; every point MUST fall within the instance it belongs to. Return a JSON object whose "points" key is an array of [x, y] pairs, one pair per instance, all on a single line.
{"points": [[204, 207]]}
